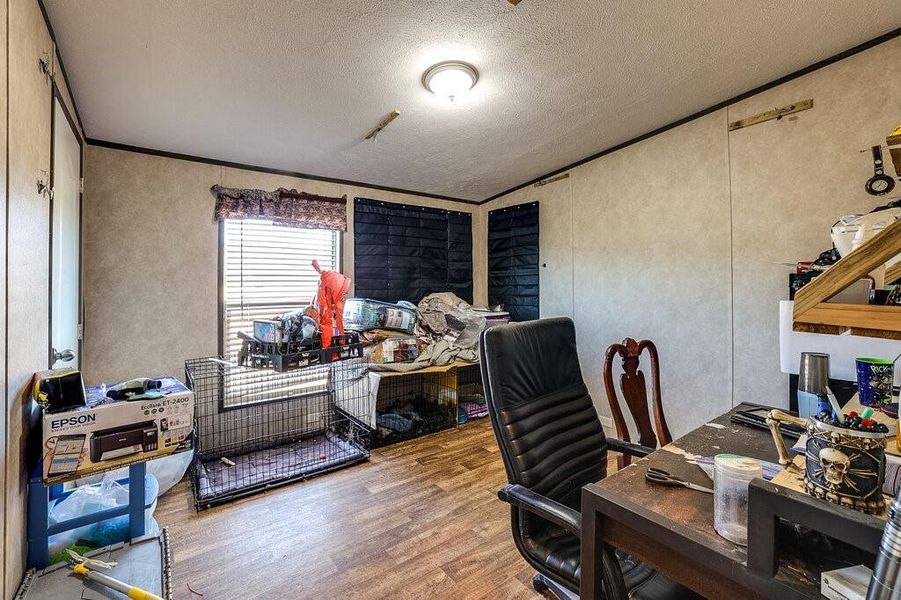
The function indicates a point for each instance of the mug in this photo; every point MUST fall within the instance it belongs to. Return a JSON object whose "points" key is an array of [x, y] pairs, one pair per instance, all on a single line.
{"points": [[874, 381], [842, 466]]}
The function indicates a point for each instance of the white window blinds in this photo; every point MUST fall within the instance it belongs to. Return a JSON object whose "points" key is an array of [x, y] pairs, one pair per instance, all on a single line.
{"points": [[266, 271]]}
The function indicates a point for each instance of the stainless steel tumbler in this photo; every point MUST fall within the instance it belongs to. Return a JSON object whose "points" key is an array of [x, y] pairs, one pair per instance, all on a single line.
{"points": [[813, 377], [885, 584]]}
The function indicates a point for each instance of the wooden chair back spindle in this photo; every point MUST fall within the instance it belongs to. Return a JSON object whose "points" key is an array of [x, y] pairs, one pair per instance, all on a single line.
{"points": [[634, 392]]}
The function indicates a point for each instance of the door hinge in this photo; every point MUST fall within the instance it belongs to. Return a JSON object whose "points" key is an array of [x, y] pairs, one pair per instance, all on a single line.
{"points": [[81, 185], [45, 63], [80, 331], [44, 188]]}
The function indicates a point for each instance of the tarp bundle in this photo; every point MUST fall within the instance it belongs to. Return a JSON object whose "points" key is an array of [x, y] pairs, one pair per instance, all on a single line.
{"points": [[453, 328]]}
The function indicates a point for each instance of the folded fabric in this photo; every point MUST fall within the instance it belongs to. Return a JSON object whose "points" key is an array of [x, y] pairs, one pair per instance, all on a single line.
{"points": [[445, 316], [474, 410], [395, 422]]}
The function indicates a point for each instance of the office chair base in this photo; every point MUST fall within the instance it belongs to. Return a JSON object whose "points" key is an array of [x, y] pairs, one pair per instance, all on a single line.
{"points": [[543, 584]]}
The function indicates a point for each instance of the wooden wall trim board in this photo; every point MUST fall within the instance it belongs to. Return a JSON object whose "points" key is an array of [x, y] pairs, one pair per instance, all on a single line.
{"points": [[857, 319]]}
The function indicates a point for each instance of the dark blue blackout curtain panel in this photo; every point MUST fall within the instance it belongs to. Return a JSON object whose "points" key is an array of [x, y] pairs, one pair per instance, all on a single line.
{"points": [[513, 260], [404, 252]]}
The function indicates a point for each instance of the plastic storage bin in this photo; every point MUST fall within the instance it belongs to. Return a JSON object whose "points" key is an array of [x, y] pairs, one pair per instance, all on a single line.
{"points": [[362, 314], [731, 476]]}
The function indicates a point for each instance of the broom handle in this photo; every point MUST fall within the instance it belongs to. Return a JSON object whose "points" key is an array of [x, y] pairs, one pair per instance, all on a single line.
{"points": [[114, 584]]}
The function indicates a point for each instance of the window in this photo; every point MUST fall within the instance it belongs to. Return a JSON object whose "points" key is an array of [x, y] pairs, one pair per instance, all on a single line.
{"points": [[408, 252], [513, 260], [266, 271]]}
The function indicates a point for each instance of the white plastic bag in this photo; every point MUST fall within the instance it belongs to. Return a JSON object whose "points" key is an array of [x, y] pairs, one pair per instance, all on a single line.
{"points": [[106, 494], [168, 471]]}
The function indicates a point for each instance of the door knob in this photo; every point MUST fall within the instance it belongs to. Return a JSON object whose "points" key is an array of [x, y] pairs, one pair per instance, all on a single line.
{"points": [[64, 356]]}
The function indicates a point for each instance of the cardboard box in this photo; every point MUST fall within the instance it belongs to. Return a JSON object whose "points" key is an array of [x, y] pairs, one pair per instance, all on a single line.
{"points": [[107, 434]]}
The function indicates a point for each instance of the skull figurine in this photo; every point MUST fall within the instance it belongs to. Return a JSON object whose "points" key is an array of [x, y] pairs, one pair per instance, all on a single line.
{"points": [[835, 465]]}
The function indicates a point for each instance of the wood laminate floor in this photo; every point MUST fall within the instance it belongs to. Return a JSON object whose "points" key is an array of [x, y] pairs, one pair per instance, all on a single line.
{"points": [[421, 519]]}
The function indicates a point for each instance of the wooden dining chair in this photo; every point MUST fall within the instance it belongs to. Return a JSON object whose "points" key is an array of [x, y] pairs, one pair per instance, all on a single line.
{"points": [[634, 391]]}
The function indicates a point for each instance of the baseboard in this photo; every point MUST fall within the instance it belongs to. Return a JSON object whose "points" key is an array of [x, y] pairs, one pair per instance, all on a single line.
{"points": [[607, 424]]}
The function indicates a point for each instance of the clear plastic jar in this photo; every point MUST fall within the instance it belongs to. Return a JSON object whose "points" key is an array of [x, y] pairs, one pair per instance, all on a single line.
{"points": [[731, 476]]}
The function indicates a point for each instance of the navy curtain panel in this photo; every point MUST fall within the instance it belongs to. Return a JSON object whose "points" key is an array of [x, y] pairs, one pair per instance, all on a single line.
{"points": [[404, 252], [513, 260]]}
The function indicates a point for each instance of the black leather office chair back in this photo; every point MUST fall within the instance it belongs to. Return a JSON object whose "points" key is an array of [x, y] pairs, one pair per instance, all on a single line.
{"points": [[552, 445], [547, 428]]}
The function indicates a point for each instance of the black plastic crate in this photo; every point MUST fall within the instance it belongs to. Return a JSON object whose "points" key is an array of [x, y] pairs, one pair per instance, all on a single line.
{"points": [[295, 355]]}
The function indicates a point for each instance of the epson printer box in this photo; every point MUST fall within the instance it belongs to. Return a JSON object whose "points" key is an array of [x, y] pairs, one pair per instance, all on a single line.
{"points": [[106, 434]]}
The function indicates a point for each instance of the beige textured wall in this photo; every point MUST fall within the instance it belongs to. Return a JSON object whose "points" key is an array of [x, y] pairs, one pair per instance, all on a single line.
{"points": [[790, 182], [676, 238], [28, 259], [151, 257], [3, 235], [27, 232]]}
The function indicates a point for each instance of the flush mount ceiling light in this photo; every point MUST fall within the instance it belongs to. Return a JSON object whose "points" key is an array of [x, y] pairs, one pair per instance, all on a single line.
{"points": [[450, 79]]}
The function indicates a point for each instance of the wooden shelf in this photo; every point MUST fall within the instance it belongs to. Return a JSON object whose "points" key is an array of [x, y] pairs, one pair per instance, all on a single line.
{"points": [[893, 141], [812, 312], [457, 364], [893, 274]]}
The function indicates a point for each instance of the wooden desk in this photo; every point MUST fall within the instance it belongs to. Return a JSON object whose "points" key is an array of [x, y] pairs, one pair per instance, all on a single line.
{"points": [[671, 529]]}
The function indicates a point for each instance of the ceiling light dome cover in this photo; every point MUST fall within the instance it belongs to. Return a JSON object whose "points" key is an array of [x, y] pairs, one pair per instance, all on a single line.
{"points": [[450, 79]]}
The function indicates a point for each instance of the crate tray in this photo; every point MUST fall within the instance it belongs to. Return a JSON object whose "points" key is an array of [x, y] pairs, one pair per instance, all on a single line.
{"points": [[217, 482]]}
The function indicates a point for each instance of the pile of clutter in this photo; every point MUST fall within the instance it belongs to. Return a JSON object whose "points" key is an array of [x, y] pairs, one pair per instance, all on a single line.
{"points": [[848, 234], [442, 329]]}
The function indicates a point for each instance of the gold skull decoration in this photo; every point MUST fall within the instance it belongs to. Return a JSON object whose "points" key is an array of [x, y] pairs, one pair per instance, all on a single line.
{"points": [[835, 465]]}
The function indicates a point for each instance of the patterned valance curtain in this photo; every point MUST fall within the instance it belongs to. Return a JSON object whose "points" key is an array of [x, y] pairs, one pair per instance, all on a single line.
{"points": [[287, 207]]}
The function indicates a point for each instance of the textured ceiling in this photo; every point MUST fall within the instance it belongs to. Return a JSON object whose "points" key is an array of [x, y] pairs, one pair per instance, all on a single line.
{"points": [[295, 85]]}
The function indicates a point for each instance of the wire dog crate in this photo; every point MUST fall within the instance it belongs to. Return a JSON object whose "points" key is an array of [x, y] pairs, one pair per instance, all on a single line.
{"points": [[411, 405], [257, 428], [471, 393]]}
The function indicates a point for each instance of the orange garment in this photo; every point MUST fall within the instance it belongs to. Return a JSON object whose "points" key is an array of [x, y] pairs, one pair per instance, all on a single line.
{"points": [[333, 288]]}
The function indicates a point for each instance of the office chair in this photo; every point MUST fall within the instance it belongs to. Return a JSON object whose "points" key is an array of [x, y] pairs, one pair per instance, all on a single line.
{"points": [[552, 444]]}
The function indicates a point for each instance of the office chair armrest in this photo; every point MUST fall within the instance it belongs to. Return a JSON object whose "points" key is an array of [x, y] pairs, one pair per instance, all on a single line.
{"points": [[542, 506], [628, 448]]}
